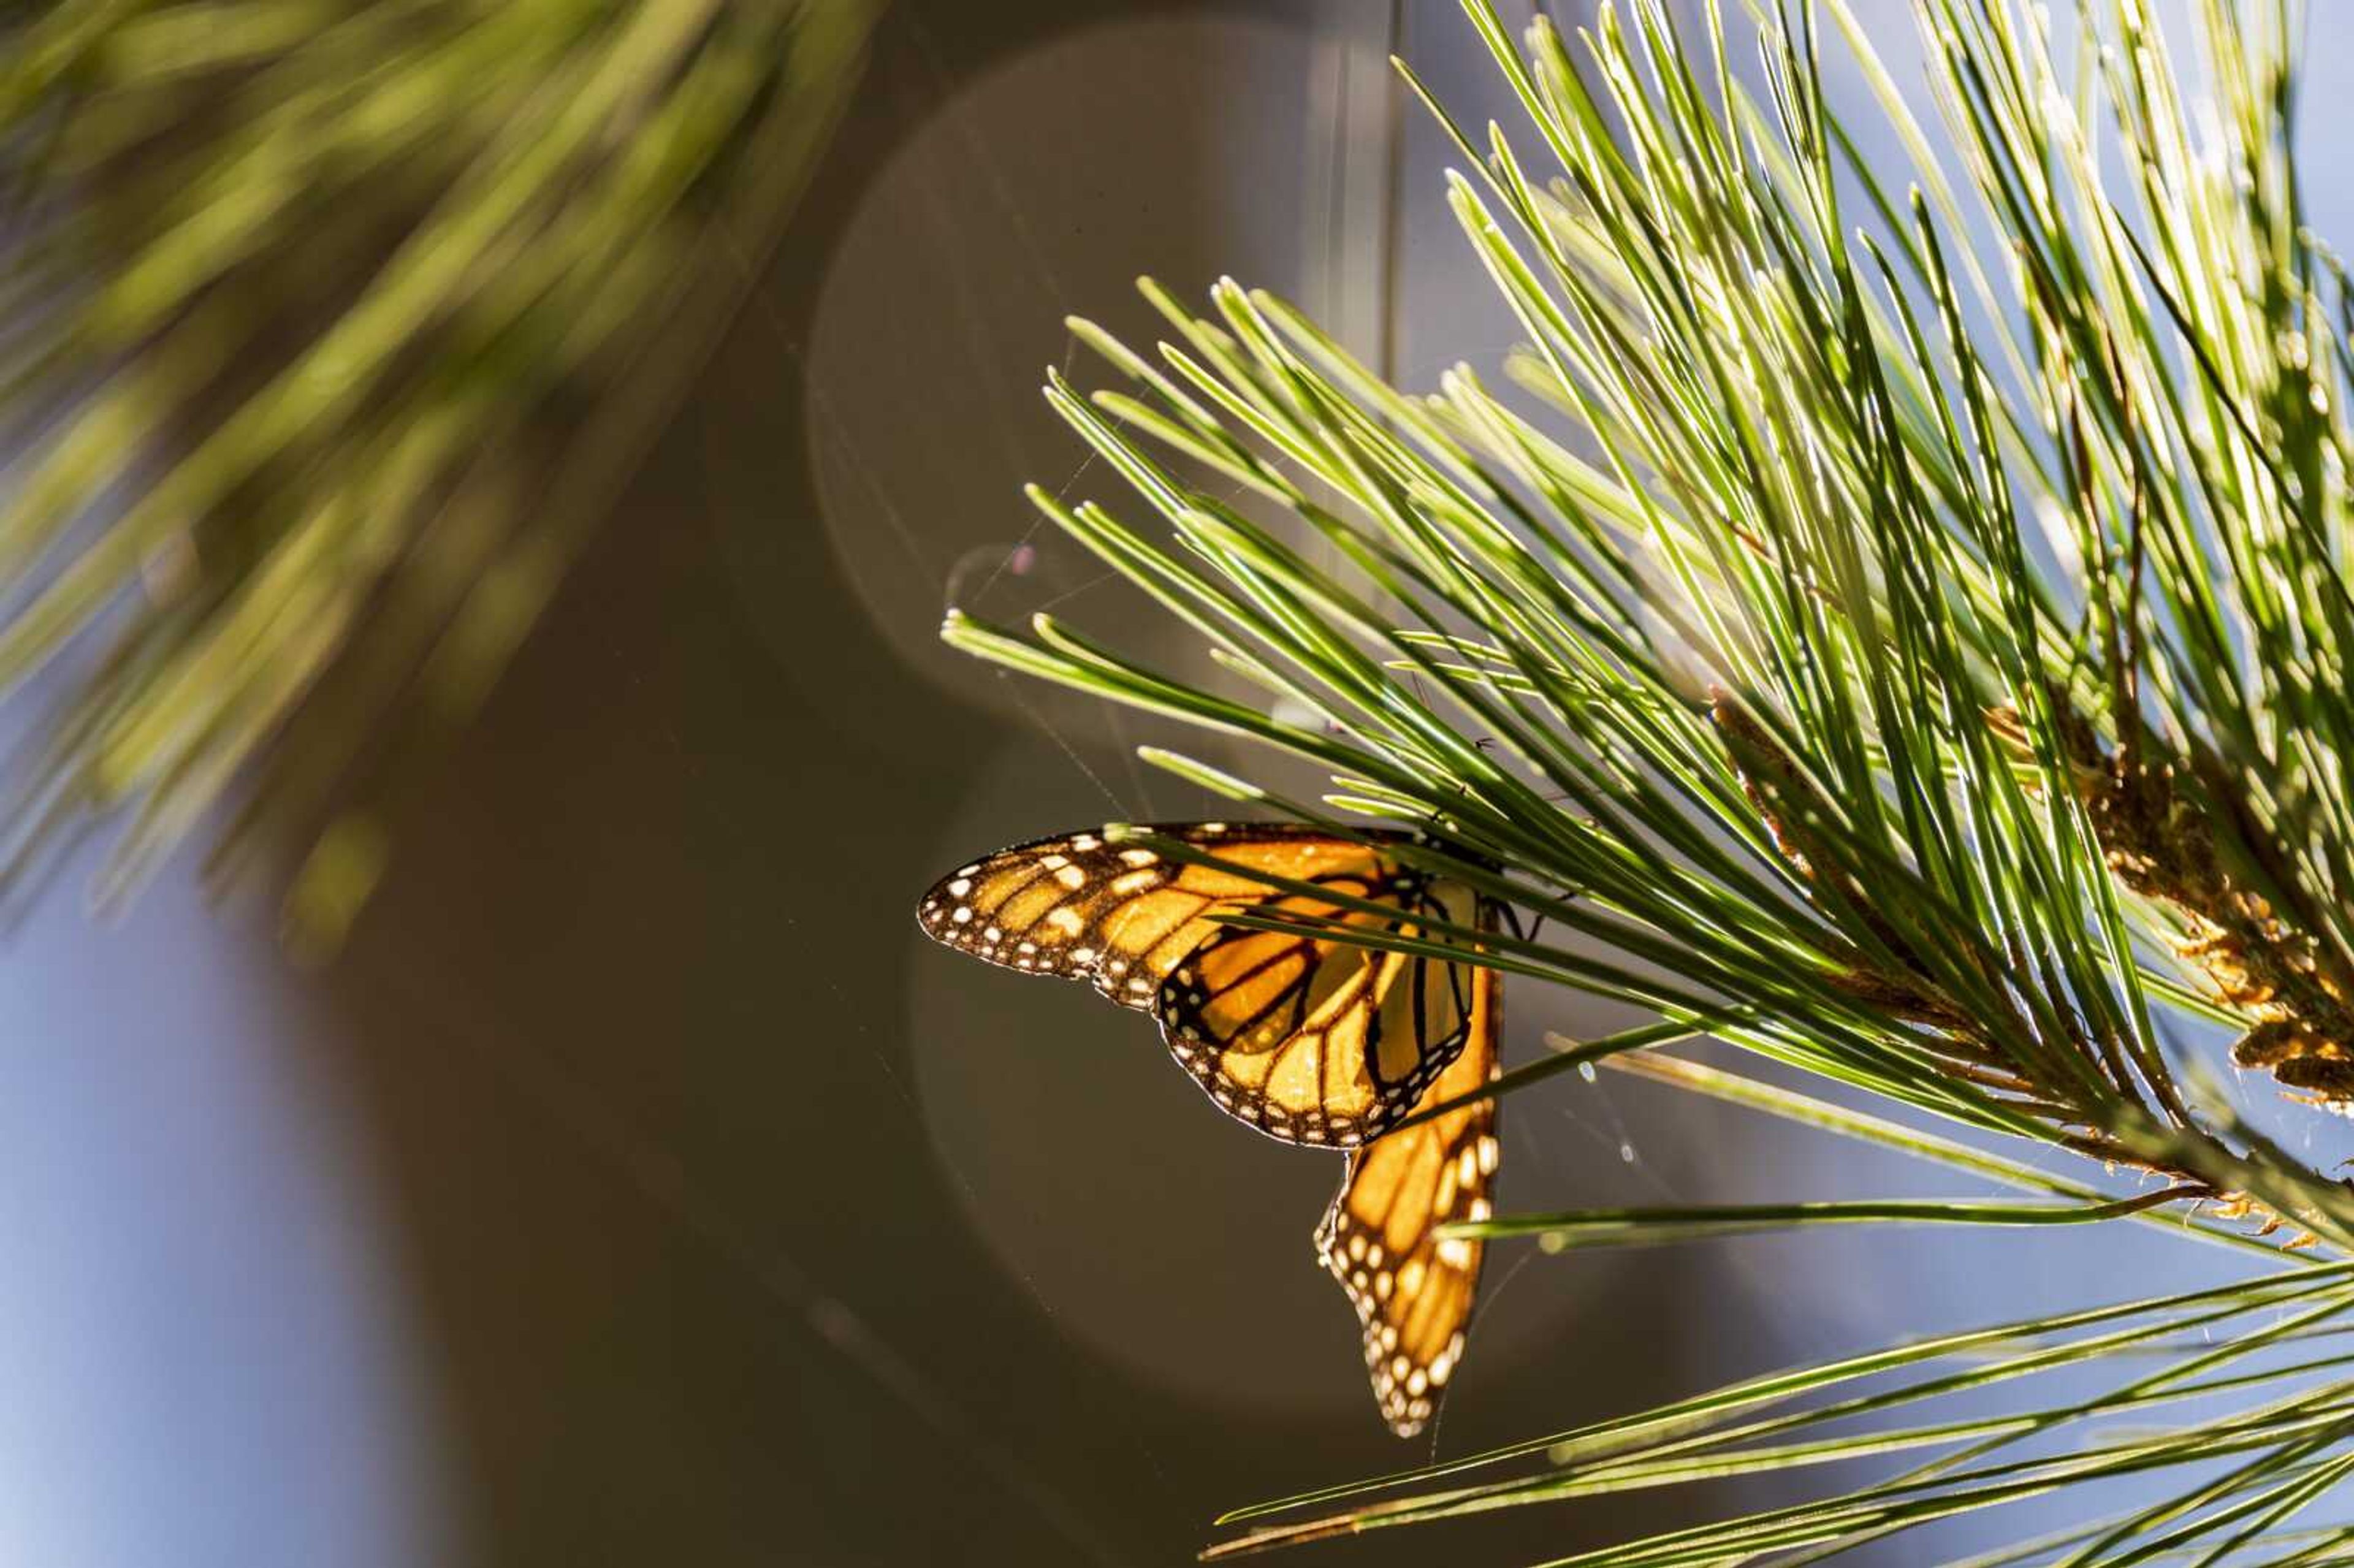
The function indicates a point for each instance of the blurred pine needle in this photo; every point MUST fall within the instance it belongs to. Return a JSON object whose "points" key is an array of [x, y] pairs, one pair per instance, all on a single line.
{"points": [[327, 329]]}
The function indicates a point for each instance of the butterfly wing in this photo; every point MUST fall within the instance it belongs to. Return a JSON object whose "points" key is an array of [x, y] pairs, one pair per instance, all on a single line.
{"points": [[1118, 914], [1414, 1289], [1302, 1036], [1310, 1039]]}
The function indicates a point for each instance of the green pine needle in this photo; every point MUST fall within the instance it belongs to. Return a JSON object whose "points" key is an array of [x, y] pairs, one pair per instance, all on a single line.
{"points": [[326, 330], [1922, 668]]}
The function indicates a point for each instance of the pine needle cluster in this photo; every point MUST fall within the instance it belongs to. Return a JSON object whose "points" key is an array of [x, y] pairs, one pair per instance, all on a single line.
{"points": [[327, 330], [1897, 624]]}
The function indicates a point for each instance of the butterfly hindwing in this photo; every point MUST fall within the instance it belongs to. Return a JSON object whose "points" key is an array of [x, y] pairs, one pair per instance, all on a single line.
{"points": [[1412, 1288], [1302, 1036]]}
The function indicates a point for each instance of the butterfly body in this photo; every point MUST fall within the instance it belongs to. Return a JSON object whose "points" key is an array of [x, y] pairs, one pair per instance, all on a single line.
{"points": [[1300, 1032]]}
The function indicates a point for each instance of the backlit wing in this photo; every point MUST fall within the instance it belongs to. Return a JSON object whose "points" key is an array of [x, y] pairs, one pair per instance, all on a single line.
{"points": [[1118, 913], [1300, 1035], [1413, 1289], [1312, 1040]]}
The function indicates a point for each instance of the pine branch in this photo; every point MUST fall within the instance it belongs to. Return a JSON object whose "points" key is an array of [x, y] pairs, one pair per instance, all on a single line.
{"points": [[326, 332], [1933, 687]]}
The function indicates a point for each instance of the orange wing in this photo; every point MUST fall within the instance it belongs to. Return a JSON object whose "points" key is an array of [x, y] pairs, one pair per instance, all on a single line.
{"points": [[1301, 1036], [1414, 1289], [1310, 1039]]}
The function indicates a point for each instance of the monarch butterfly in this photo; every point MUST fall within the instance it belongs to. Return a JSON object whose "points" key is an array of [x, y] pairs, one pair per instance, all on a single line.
{"points": [[1298, 1034]]}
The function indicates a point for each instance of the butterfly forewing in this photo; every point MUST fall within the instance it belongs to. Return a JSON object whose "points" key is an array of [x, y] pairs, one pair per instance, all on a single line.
{"points": [[1412, 1288], [1298, 1034], [1118, 914], [1311, 1039]]}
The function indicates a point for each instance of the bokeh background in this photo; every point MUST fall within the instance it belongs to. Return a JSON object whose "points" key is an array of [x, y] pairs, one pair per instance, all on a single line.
{"points": [[639, 1186]]}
